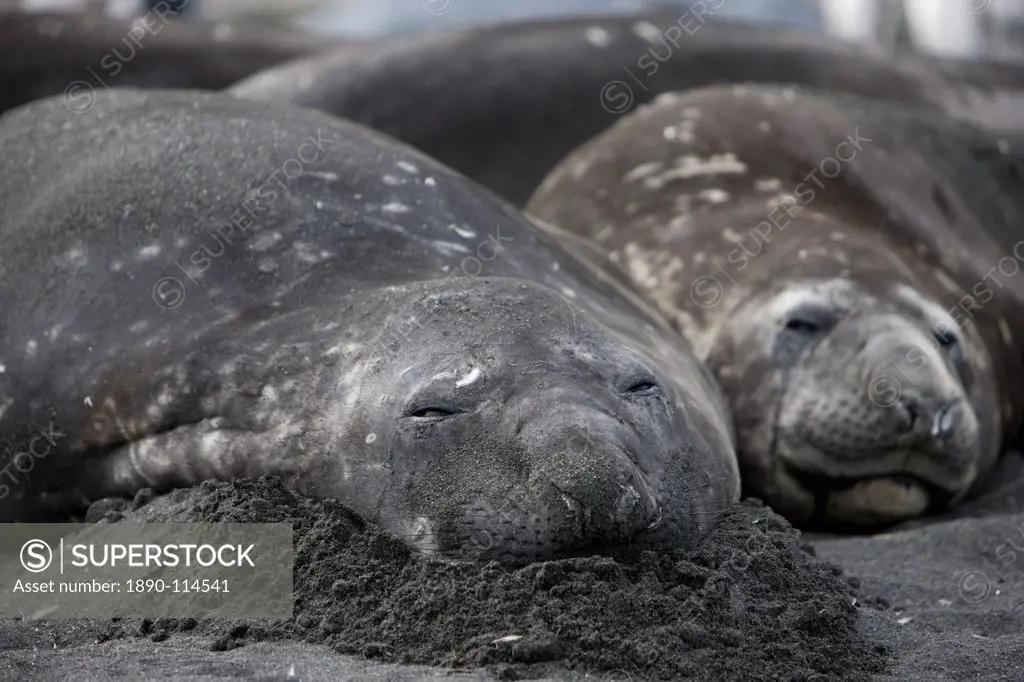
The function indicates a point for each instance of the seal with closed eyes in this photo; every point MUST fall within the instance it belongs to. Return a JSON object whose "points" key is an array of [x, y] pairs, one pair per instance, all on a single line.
{"points": [[849, 270], [196, 286]]}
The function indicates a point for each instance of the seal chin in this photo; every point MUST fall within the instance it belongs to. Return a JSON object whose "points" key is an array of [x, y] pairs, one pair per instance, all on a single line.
{"points": [[867, 501], [880, 500]]}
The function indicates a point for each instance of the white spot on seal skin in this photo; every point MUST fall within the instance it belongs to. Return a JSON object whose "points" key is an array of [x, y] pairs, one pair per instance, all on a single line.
{"points": [[88, 401], [714, 195], [598, 37], [450, 248], [408, 167], [764, 126], [768, 184], [3, 368], [391, 180], [463, 232], [342, 349], [76, 256], [930, 308], [265, 241], [641, 171], [371, 438], [639, 266], [151, 251], [46, 27], [647, 31], [222, 32], [470, 378], [430, 182], [269, 394], [394, 207], [731, 235], [513, 638], [947, 283], [30, 349], [1004, 329], [690, 166], [212, 443], [305, 253], [3, 408], [830, 292], [568, 293]]}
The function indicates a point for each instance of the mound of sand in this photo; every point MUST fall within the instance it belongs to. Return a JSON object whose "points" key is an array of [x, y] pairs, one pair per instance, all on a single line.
{"points": [[750, 603], [940, 599]]}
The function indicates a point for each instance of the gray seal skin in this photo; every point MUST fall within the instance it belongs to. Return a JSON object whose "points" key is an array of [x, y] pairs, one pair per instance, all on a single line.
{"points": [[508, 102], [196, 286], [48, 53], [848, 269]]}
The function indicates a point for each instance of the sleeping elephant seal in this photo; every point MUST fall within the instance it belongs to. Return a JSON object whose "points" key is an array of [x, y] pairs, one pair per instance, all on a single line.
{"points": [[849, 270], [48, 53], [503, 104], [196, 286]]}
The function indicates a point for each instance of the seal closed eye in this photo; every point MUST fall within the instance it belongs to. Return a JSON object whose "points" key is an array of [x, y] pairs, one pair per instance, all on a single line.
{"points": [[836, 262], [237, 289]]}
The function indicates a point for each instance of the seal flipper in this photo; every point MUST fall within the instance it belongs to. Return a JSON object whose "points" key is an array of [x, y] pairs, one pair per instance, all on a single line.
{"points": [[181, 457]]}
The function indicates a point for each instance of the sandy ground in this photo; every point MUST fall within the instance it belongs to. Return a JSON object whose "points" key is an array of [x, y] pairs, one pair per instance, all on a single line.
{"points": [[936, 600]]}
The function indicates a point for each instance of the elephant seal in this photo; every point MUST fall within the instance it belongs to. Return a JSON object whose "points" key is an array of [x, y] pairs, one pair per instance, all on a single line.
{"points": [[507, 102], [238, 288], [48, 53], [848, 269]]}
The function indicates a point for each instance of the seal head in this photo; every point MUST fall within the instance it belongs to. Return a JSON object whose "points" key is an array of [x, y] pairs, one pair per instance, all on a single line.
{"points": [[529, 430], [862, 404], [831, 260]]}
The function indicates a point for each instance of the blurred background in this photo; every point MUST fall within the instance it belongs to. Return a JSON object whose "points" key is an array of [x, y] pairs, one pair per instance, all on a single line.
{"points": [[955, 28]]}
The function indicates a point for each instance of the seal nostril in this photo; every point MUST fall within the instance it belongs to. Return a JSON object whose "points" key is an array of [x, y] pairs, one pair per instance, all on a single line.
{"points": [[945, 421], [911, 414]]}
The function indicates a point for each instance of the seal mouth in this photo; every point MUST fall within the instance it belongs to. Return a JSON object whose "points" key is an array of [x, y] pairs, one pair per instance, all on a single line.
{"points": [[825, 489]]}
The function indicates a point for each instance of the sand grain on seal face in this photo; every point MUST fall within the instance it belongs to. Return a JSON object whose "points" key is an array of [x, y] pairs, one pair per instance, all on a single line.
{"points": [[748, 604]]}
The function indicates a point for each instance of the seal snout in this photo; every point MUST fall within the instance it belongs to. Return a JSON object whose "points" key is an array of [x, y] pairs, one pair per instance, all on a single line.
{"points": [[603, 494], [936, 419]]}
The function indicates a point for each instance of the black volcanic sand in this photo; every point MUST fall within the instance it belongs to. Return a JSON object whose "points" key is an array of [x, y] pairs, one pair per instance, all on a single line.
{"points": [[944, 594], [750, 604]]}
